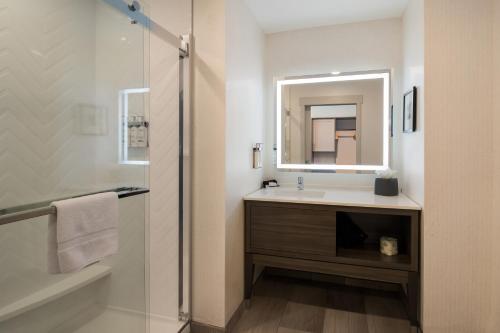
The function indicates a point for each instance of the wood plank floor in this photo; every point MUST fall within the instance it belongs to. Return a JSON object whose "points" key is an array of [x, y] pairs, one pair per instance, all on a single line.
{"points": [[283, 305]]}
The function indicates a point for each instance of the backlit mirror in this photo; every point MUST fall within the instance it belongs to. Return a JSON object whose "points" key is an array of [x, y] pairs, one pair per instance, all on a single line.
{"points": [[333, 122]]}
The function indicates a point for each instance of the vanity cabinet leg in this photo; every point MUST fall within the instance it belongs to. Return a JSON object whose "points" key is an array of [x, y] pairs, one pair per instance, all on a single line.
{"points": [[413, 298], [249, 271]]}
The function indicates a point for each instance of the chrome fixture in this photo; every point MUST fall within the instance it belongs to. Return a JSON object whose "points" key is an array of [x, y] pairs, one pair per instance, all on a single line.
{"points": [[300, 183], [135, 6], [25, 212], [137, 17]]}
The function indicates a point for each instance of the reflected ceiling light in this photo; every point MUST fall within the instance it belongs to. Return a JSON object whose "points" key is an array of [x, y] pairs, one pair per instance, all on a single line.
{"points": [[335, 73]]}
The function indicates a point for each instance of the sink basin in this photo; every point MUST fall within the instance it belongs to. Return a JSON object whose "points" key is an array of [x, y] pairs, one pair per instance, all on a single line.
{"points": [[299, 193]]}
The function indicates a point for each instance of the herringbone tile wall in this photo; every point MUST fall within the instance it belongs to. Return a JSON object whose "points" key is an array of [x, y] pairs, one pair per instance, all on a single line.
{"points": [[46, 68], [58, 57]]}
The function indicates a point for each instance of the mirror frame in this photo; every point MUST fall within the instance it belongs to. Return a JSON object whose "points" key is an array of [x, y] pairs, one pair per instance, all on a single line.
{"points": [[385, 75]]}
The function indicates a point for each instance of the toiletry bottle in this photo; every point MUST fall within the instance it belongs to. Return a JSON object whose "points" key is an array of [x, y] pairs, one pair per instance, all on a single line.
{"points": [[257, 156], [133, 133], [130, 120], [141, 134]]}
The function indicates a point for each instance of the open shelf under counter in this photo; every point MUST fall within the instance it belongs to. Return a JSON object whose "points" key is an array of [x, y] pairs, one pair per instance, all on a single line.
{"points": [[370, 255]]}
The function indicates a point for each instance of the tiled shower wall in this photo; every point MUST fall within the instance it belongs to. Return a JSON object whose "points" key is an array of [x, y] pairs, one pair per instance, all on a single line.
{"points": [[58, 60], [46, 69]]}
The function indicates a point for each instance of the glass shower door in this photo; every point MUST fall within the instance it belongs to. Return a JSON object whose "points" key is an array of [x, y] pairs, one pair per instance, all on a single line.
{"points": [[74, 120]]}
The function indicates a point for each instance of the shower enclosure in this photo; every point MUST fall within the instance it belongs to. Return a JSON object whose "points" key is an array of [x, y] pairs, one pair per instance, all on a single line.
{"points": [[93, 97]]}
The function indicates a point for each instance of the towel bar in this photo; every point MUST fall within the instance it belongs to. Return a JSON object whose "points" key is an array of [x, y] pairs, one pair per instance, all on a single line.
{"points": [[20, 213]]}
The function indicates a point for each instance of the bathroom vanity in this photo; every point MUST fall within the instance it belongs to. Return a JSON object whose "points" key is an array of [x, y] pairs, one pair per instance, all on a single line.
{"points": [[299, 230]]}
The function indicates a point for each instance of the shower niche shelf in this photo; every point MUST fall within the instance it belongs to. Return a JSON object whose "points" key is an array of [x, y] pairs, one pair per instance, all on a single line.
{"points": [[57, 290], [133, 125]]}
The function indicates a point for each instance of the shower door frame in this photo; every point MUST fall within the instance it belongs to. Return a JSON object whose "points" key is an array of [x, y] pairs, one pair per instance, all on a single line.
{"points": [[185, 158]]}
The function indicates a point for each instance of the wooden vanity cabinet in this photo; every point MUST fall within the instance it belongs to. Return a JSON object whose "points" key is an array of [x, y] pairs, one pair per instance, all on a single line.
{"points": [[304, 237], [292, 231]]}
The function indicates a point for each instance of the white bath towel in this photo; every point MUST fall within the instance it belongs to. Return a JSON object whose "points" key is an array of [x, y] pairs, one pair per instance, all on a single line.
{"points": [[84, 231]]}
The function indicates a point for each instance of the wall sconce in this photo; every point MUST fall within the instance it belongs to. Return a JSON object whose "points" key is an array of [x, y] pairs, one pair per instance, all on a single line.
{"points": [[257, 155]]}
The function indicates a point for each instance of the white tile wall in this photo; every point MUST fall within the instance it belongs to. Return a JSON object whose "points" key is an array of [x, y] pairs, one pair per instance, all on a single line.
{"points": [[56, 55]]}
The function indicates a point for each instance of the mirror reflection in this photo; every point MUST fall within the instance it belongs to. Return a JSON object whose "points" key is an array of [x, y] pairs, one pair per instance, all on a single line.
{"points": [[333, 124]]}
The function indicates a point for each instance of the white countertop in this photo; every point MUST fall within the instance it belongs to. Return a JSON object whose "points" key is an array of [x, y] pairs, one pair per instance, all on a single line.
{"points": [[353, 197]]}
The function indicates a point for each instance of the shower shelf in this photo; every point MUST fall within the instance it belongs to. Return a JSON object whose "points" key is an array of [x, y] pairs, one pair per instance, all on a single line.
{"points": [[20, 213], [57, 290]]}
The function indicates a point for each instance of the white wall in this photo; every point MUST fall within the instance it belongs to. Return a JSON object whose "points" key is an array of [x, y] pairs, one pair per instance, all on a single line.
{"points": [[245, 44], [228, 119], [411, 145], [457, 230], [347, 47], [209, 146]]}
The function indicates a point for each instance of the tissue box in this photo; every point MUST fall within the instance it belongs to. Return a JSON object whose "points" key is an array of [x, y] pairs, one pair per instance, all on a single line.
{"points": [[386, 186]]}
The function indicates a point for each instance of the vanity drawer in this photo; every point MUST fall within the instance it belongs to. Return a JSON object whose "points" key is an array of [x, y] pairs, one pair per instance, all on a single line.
{"points": [[298, 231]]}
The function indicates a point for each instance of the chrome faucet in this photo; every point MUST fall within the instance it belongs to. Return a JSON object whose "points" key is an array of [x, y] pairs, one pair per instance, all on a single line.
{"points": [[300, 183]]}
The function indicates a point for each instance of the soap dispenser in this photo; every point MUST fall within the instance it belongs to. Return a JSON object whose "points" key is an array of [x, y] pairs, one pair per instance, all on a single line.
{"points": [[257, 155]]}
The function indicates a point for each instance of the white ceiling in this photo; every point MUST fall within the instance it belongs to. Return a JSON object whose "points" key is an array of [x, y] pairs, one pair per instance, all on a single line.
{"points": [[284, 15]]}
